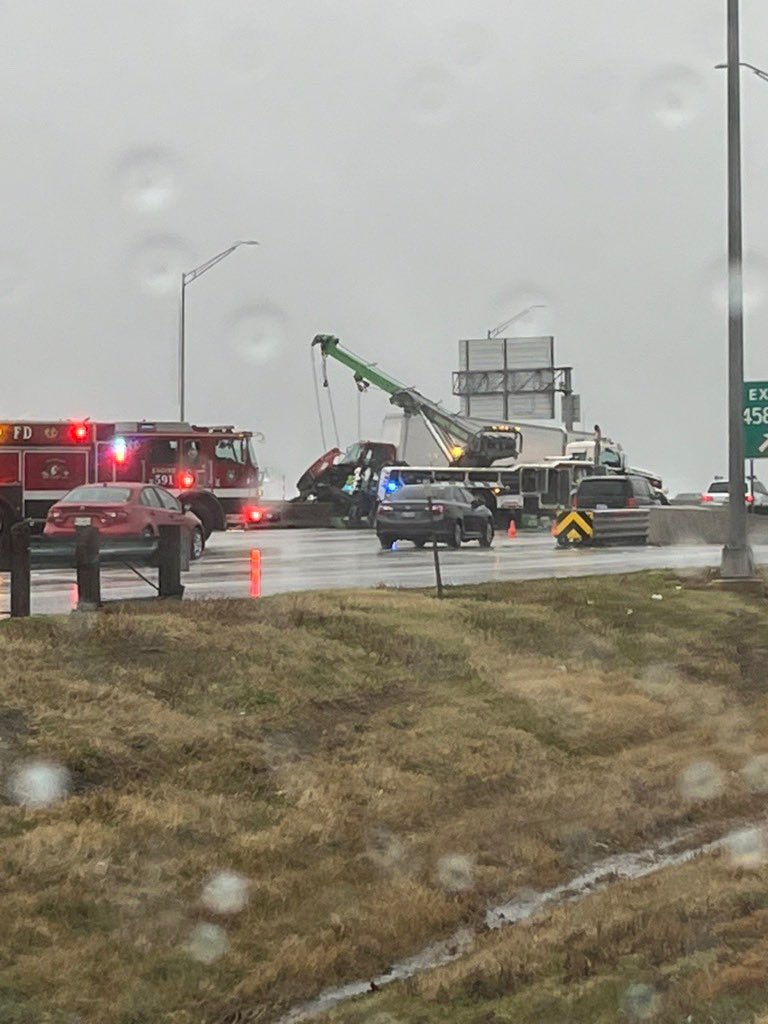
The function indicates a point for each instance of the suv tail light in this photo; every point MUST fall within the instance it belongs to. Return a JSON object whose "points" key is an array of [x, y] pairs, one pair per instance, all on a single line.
{"points": [[706, 497], [631, 503], [438, 509], [750, 499]]}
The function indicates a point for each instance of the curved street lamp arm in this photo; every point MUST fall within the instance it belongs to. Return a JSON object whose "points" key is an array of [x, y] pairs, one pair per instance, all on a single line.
{"points": [[192, 275], [745, 64]]}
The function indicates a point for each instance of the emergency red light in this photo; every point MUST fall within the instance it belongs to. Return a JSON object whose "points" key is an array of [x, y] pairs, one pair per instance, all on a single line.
{"points": [[78, 432], [254, 514], [120, 450], [186, 480]]}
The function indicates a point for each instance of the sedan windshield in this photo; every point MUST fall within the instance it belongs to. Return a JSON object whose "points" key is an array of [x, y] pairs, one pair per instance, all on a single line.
{"points": [[99, 495]]}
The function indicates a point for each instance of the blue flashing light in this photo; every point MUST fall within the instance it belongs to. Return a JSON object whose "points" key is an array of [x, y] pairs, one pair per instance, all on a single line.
{"points": [[120, 449], [392, 486]]}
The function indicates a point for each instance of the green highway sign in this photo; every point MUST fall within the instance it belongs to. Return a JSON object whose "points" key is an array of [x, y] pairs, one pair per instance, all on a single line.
{"points": [[756, 419]]}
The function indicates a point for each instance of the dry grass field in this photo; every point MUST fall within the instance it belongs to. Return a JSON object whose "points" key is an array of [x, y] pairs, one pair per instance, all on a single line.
{"points": [[371, 770]]}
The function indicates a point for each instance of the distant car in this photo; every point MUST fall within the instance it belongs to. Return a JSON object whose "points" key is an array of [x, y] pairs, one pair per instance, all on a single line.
{"points": [[616, 491], [756, 496], [456, 516], [687, 498], [124, 510]]}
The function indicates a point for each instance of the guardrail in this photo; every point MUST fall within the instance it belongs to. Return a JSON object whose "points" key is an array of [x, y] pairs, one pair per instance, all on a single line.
{"points": [[602, 526], [86, 553]]}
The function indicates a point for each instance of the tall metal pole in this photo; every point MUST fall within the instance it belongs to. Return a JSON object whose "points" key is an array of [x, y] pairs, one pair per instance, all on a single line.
{"points": [[737, 562], [187, 278], [182, 354]]}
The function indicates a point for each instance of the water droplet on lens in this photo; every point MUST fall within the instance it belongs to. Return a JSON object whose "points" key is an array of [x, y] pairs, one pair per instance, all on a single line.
{"points": [[259, 333], [38, 784], [528, 307], [754, 281], [640, 1002], [147, 179], [429, 92], [225, 893], [673, 96], [468, 43], [455, 873], [207, 943], [755, 773], [746, 848], [158, 263], [702, 780]]}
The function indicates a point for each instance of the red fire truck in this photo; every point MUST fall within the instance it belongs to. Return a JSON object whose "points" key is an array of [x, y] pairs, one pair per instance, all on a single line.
{"points": [[211, 469]]}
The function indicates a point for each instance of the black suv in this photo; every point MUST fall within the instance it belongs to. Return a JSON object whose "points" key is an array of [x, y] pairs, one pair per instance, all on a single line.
{"points": [[616, 491]]}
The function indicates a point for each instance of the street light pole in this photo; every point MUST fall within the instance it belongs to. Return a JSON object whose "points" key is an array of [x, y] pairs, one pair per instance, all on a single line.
{"points": [[496, 331], [187, 278], [737, 562]]}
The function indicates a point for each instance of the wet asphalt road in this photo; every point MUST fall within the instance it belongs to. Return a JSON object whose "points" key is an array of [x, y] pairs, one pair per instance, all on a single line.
{"points": [[330, 559]]}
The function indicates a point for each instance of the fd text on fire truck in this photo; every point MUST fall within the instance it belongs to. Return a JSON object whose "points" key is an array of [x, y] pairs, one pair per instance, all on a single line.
{"points": [[213, 470]]}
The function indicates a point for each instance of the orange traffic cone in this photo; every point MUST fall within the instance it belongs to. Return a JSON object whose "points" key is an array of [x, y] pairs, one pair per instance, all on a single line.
{"points": [[512, 529]]}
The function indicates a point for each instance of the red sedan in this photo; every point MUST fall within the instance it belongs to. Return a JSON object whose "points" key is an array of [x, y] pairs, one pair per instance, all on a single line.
{"points": [[123, 510]]}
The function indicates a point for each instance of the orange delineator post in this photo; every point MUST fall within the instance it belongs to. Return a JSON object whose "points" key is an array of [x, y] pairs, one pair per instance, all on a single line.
{"points": [[255, 572]]}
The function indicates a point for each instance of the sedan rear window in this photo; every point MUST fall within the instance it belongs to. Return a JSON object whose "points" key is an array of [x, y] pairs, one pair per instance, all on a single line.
{"points": [[613, 488], [417, 492], [723, 487], [99, 495]]}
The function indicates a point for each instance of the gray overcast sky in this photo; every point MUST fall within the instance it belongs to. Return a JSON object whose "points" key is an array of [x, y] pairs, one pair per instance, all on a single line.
{"points": [[415, 171]]}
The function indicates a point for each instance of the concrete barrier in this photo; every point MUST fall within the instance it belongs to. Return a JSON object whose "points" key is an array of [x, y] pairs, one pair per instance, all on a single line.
{"points": [[677, 525]]}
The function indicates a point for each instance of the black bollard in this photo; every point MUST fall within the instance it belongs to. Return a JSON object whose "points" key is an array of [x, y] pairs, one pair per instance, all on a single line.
{"points": [[88, 568], [169, 562], [20, 579]]}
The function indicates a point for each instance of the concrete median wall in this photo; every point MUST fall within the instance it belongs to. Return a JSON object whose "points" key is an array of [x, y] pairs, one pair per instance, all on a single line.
{"points": [[675, 525]]}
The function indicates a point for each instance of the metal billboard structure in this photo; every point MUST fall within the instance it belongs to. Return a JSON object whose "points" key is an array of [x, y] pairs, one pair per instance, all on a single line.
{"points": [[510, 378]]}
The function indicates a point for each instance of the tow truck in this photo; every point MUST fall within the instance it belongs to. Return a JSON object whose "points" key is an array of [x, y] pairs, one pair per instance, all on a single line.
{"points": [[463, 441], [212, 470], [350, 480]]}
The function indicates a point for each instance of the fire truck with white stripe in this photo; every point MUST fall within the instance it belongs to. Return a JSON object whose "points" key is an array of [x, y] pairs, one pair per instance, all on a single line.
{"points": [[212, 470]]}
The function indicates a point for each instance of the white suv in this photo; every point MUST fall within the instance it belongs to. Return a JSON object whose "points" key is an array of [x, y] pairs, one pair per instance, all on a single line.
{"points": [[756, 496]]}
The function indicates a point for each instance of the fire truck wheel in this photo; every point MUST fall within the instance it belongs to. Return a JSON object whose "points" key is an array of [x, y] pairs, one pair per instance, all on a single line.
{"points": [[206, 517], [197, 545]]}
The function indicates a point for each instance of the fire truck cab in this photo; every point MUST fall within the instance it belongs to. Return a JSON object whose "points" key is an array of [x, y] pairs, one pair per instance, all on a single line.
{"points": [[212, 470]]}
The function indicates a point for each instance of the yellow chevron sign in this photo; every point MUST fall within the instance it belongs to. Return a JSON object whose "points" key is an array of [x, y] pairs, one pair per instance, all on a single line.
{"points": [[573, 526]]}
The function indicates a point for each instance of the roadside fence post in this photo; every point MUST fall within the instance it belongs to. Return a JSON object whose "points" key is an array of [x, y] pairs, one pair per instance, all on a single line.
{"points": [[169, 562], [20, 580], [88, 568], [435, 555]]}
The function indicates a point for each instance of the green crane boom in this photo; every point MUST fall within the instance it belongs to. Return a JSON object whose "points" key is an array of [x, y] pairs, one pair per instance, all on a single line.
{"points": [[462, 441]]}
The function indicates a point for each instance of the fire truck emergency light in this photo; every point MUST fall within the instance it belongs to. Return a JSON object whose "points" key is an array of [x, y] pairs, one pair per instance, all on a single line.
{"points": [[120, 449], [78, 432], [186, 480]]}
